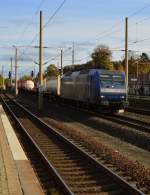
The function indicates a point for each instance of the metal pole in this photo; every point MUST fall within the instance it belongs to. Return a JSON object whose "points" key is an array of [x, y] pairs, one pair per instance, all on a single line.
{"points": [[61, 63], [2, 76], [73, 54], [11, 72], [16, 71], [126, 52], [137, 70], [40, 99]]}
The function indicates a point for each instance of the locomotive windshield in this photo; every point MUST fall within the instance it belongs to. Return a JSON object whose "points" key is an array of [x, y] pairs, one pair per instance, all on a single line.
{"points": [[112, 80], [106, 80], [118, 80]]}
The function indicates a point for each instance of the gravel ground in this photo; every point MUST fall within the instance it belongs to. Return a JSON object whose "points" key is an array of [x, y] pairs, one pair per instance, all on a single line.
{"points": [[140, 117], [139, 103], [74, 119]]}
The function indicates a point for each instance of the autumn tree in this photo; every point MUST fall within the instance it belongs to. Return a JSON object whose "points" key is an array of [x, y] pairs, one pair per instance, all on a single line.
{"points": [[144, 57], [7, 81], [51, 70], [139, 63], [102, 57], [118, 66], [1, 80], [26, 77], [143, 64], [132, 64]]}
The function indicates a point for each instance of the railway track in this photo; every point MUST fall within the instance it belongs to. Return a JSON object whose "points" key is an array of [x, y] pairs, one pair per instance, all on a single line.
{"points": [[135, 123], [127, 121], [138, 110], [131, 130], [121, 119], [75, 170], [123, 127], [139, 105]]}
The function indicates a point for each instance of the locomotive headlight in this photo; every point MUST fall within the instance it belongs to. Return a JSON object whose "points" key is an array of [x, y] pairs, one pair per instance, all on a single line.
{"points": [[122, 97], [102, 96]]}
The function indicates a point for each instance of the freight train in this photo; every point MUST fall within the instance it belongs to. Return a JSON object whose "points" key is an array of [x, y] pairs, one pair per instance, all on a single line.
{"points": [[28, 84], [99, 88], [22, 85]]}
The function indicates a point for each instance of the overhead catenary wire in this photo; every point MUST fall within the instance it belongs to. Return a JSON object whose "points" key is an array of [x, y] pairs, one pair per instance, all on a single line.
{"points": [[55, 57], [142, 20], [30, 22], [39, 7], [130, 44], [110, 31], [54, 14], [48, 21], [139, 10], [141, 40], [104, 32]]}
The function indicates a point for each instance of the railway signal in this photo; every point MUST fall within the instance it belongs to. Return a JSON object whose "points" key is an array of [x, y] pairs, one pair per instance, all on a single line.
{"points": [[32, 73], [9, 75], [11, 60]]}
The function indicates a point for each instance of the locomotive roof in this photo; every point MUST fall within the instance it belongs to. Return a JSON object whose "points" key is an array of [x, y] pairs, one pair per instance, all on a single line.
{"points": [[92, 71]]}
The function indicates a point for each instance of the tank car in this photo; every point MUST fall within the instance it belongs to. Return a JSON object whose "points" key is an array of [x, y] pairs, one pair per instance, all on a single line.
{"points": [[52, 86], [29, 85], [21, 84]]}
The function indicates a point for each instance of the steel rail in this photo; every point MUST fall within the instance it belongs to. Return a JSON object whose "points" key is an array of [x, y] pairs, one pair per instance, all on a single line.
{"points": [[66, 190], [137, 124], [124, 184], [138, 110]]}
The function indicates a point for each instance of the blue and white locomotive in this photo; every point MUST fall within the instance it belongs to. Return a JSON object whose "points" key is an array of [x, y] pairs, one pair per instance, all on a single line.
{"points": [[102, 88]]}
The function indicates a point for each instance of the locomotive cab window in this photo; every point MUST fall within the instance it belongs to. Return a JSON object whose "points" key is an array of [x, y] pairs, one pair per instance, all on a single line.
{"points": [[118, 80], [112, 80], [106, 80]]}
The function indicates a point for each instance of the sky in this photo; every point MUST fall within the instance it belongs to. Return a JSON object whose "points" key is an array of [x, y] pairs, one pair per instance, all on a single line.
{"points": [[87, 23]]}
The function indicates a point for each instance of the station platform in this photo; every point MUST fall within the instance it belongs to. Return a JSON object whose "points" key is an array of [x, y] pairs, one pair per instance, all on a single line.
{"points": [[17, 177]]}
